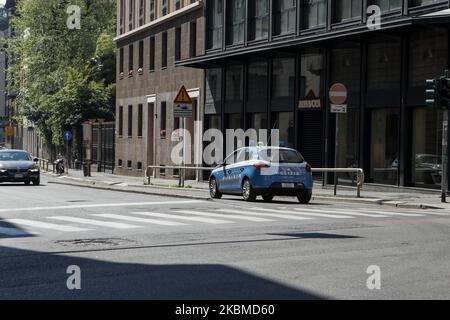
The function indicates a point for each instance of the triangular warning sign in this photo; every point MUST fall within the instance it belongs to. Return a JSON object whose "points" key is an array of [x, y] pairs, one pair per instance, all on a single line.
{"points": [[183, 97]]}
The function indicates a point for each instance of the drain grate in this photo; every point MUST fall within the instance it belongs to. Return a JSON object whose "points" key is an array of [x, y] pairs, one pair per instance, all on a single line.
{"points": [[95, 242]]}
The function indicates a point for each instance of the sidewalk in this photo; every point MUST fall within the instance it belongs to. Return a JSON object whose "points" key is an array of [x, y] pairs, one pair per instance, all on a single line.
{"points": [[199, 190]]}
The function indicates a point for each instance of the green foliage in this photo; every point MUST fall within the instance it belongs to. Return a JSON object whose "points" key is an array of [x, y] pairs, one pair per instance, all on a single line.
{"points": [[62, 77]]}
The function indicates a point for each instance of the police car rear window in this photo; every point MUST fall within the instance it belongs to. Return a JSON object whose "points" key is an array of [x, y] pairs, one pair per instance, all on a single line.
{"points": [[284, 156]]}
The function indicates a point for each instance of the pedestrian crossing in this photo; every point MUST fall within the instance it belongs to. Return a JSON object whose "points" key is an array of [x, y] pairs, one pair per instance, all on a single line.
{"points": [[232, 215]]}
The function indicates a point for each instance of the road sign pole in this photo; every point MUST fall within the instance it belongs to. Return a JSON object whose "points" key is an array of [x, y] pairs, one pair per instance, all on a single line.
{"points": [[336, 148], [183, 172], [444, 178]]}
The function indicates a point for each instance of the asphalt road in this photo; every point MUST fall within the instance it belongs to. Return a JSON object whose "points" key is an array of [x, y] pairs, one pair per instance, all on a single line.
{"points": [[131, 246]]}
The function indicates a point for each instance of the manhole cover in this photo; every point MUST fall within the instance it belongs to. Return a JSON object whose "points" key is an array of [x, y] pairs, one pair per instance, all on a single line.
{"points": [[96, 242]]}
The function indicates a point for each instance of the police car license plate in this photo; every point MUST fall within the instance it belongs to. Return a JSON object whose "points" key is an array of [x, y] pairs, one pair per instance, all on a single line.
{"points": [[288, 185], [18, 176]]}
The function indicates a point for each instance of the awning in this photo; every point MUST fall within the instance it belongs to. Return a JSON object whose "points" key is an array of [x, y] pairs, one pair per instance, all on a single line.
{"points": [[442, 16]]}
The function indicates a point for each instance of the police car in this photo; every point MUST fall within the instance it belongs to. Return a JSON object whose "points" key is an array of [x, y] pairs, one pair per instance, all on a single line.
{"points": [[263, 171]]}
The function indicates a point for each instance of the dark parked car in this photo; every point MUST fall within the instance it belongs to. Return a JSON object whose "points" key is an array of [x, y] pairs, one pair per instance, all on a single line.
{"points": [[18, 166]]}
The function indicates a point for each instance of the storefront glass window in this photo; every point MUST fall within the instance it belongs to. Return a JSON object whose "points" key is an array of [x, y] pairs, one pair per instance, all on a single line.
{"points": [[384, 162], [257, 121], [348, 143], [234, 83], [212, 122], [283, 81], [233, 121], [284, 121], [345, 68], [213, 90], [312, 74], [383, 66], [257, 80], [428, 55], [427, 147]]}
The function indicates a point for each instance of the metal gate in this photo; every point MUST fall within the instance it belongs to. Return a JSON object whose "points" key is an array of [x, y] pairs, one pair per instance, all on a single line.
{"points": [[103, 146]]}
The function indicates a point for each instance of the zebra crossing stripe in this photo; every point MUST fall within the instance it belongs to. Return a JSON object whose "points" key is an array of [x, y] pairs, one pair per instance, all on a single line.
{"points": [[401, 214], [345, 212], [45, 225], [433, 213], [282, 216], [174, 216], [322, 215], [144, 220], [217, 215], [102, 205], [114, 225]]}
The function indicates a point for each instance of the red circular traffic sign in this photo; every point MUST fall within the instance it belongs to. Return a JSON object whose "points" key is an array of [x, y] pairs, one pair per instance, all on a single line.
{"points": [[338, 93]]}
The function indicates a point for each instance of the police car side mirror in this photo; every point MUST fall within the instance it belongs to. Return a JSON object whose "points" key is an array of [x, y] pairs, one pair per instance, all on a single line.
{"points": [[35, 159]]}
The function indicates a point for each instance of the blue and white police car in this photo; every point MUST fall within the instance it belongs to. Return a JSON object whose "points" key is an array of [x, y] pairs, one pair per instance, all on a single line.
{"points": [[263, 171]]}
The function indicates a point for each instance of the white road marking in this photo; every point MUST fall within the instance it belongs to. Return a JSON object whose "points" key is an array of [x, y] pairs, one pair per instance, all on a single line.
{"points": [[45, 225], [435, 213], [322, 215], [15, 232], [346, 212], [397, 213], [283, 216], [101, 205], [144, 220], [115, 225], [217, 215], [174, 216]]}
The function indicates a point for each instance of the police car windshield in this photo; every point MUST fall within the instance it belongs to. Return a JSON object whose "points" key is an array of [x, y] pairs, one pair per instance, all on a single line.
{"points": [[14, 156], [281, 156]]}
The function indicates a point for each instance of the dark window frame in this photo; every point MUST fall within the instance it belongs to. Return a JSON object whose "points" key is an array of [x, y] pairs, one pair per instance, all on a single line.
{"points": [[130, 121]]}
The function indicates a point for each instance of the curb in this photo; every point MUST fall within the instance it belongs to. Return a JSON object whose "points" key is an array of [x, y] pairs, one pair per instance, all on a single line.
{"points": [[380, 202], [154, 191], [98, 186]]}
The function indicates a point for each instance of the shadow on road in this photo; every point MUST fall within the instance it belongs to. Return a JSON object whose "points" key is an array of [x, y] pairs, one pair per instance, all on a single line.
{"points": [[33, 275], [294, 201], [315, 235], [9, 230], [20, 184]]}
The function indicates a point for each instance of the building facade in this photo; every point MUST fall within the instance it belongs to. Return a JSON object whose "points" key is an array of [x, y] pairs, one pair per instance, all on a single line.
{"points": [[152, 36], [269, 64]]}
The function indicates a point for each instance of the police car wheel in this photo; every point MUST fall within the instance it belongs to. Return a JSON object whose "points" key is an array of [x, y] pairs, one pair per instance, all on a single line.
{"points": [[268, 197], [247, 191], [304, 197], [213, 190]]}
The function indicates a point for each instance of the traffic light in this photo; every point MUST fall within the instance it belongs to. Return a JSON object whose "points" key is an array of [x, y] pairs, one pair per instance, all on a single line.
{"points": [[431, 97], [444, 92]]}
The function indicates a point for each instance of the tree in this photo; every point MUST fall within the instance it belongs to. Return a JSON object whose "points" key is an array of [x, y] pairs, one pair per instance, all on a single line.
{"points": [[62, 77]]}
